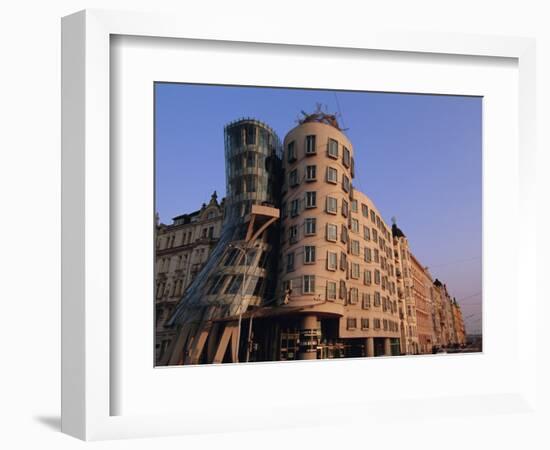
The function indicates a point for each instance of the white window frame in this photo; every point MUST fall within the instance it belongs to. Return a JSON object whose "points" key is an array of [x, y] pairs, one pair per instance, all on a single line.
{"points": [[308, 225], [311, 195], [310, 284], [330, 152], [328, 200], [331, 226], [307, 149], [308, 169], [309, 254], [330, 266], [355, 271], [332, 171], [332, 283]]}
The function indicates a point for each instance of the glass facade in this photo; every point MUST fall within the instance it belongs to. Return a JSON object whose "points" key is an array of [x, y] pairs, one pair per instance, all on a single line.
{"points": [[253, 172]]}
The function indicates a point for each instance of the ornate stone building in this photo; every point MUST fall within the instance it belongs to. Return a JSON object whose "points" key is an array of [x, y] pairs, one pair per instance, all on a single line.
{"points": [[421, 284], [407, 302], [182, 249], [458, 324]]}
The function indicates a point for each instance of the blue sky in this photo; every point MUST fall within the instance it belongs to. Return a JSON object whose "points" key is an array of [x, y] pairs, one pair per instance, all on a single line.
{"points": [[418, 157]]}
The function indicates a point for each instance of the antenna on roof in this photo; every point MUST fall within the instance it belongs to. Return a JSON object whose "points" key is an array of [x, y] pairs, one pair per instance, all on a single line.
{"points": [[340, 111]]}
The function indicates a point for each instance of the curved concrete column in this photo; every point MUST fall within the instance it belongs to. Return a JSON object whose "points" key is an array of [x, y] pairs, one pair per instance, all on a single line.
{"points": [[309, 337]]}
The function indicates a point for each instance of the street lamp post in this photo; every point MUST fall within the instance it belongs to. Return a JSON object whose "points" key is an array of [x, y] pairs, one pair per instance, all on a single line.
{"points": [[241, 305], [244, 251]]}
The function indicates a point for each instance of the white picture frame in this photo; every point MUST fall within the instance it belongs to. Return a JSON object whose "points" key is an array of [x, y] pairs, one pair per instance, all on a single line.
{"points": [[87, 316]]}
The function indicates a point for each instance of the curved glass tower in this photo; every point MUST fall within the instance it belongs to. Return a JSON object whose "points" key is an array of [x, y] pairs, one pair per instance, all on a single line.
{"points": [[240, 271]]}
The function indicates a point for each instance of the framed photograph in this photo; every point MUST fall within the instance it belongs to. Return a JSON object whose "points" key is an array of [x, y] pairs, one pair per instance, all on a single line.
{"points": [[270, 231], [296, 261]]}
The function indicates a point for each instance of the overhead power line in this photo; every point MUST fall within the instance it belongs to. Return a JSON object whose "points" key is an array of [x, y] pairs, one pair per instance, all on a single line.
{"points": [[469, 296], [455, 262], [339, 111]]}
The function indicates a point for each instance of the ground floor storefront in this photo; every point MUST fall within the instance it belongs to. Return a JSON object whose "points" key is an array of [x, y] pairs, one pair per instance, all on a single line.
{"points": [[291, 338]]}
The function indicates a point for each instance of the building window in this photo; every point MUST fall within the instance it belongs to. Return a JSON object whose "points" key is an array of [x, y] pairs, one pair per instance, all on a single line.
{"points": [[367, 277], [311, 173], [332, 205], [347, 157], [293, 234], [331, 290], [308, 285], [376, 324], [215, 285], [309, 254], [251, 159], [355, 248], [332, 175], [234, 285], [294, 207], [355, 271], [290, 262], [353, 296], [377, 298], [376, 255], [291, 151], [293, 178], [345, 183], [344, 234], [376, 276], [283, 210], [231, 257], [311, 147], [354, 225], [332, 232], [364, 324], [333, 148], [263, 259], [345, 208], [342, 293], [364, 210], [343, 261], [311, 199], [332, 260], [354, 206], [375, 235], [258, 287], [351, 323], [366, 233], [372, 216], [366, 301], [310, 226], [250, 181]]}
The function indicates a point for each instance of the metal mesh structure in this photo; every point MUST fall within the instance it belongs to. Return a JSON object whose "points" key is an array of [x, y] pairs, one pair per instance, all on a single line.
{"points": [[253, 171]]}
